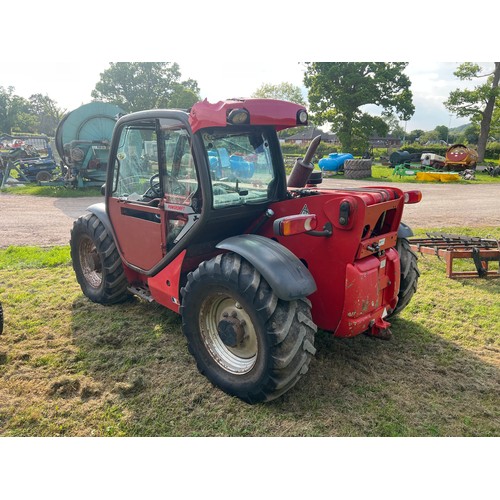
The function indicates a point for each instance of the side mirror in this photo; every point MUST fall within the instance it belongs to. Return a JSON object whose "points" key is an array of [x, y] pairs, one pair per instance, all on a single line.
{"points": [[103, 189]]}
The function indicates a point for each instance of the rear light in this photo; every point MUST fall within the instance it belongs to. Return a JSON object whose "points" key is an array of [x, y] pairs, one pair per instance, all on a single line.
{"points": [[412, 196], [294, 224]]}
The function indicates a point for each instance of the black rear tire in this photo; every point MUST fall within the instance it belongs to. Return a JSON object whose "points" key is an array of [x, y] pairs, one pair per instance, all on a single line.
{"points": [[96, 261], [43, 176], [245, 340], [409, 274]]}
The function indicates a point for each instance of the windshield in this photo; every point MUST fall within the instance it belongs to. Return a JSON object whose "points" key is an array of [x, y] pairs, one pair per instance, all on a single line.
{"points": [[241, 168]]}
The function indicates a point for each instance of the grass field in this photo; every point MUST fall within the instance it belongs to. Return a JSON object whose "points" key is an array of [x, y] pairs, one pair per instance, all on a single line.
{"points": [[52, 191], [69, 367]]}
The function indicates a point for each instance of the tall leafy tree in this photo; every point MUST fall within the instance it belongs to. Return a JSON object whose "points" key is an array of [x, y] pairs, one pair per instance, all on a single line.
{"points": [[395, 128], [285, 91], [47, 112], [338, 91], [413, 135], [443, 132], [471, 134], [495, 121], [145, 85], [15, 113], [478, 103]]}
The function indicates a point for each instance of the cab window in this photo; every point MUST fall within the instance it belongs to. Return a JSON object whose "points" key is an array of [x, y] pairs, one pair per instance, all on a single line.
{"points": [[155, 163], [137, 170], [241, 166]]}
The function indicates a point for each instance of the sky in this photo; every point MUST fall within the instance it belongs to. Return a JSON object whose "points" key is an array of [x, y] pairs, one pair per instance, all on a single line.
{"points": [[231, 49], [70, 83]]}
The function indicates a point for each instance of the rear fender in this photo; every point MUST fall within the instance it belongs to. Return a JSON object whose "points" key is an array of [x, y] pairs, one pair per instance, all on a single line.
{"points": [[404, 231], [286, 274]]}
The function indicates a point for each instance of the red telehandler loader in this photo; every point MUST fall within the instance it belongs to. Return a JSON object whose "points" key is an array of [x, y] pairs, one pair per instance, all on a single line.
{"points": [[199, 216]]}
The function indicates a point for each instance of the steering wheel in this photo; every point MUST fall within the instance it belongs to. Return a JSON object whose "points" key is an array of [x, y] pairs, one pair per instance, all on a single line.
{"points": [[154, 185], [174, 186]]}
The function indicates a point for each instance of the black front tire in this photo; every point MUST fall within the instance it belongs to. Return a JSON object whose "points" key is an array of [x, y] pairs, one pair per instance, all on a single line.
{"points": [[245, 340], [96, 262]]}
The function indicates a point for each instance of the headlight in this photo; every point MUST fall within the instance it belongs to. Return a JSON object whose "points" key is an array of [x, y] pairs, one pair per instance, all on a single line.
{"points": [[238, 117]]}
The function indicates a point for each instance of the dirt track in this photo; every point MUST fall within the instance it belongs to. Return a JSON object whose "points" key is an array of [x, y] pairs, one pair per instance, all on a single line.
{"points": [[30, 220]]}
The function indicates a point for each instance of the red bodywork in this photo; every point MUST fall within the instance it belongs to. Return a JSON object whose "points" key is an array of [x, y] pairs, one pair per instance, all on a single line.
{"points": [[357, 274], [280, 114], [356, 268]]}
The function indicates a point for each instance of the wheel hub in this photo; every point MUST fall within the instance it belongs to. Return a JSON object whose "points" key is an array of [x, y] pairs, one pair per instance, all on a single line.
{"points": [[231, 330], [229, 334], [90, 263]]}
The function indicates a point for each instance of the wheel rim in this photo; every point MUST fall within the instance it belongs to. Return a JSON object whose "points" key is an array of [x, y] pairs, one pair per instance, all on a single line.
{"points": [[240, 358], [90, 262]]}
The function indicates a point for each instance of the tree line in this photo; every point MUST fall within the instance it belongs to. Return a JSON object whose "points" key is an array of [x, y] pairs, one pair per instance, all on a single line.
{"points": [[337, 94]]}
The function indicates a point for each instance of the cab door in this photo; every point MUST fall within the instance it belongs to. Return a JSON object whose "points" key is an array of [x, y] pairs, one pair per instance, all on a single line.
{"points": [[154, 198], [135, 204]]}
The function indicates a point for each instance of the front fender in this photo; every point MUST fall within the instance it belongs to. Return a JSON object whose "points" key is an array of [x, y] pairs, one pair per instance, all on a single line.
{"points": [[99, 210], [286, 274]]}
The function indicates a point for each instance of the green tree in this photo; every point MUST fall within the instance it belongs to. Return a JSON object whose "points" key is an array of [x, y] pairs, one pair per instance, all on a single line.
{"points": [[443, 132], [137, 86], [495, 121], [47, 112], [15, 113], [337, 91], [477, 103], [471, 134], [395, 128], [414, 135], [284, 91], [430, 136]]}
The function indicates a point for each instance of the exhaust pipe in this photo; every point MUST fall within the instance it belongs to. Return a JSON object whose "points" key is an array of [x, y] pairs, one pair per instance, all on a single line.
{"points": [[303, 166]]}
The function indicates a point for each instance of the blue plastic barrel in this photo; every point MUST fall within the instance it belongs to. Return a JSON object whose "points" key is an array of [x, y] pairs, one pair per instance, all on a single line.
{"points": [[334, 161]]}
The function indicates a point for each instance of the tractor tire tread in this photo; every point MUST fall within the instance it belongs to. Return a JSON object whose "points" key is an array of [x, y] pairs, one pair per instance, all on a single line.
{"points": [[409, 274], [357, 174], [287, 326], [114, 289], [359, 164]]}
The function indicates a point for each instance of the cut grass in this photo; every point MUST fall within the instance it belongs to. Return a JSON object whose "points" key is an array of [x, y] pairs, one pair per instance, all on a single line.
{"points": [[69, 367], [33, 257]]}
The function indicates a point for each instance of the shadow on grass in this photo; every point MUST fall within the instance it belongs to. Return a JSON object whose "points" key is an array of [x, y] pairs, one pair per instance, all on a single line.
{"points": [[417, 384]]}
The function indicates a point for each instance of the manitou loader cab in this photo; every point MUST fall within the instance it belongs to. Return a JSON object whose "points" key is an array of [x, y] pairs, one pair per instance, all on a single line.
{"points": [[199, 217]]}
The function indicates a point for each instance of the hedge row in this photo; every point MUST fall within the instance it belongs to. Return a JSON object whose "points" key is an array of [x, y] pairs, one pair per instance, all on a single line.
{"points": [[324, 149]]}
